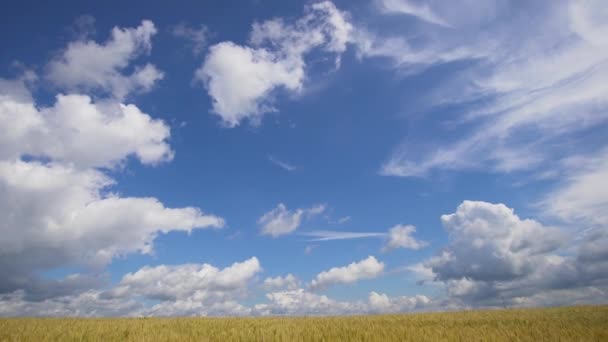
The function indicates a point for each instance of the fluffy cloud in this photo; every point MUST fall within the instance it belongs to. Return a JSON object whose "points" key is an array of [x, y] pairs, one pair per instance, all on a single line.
{"points": [[190, 289], [55, 196], [489, 242], [301, 302], [365, 269], [379, 302], [89, 66], [289, 282], [183, 290], [494, 258], [400, 236], [56, 215], [197, 281], [242, 79], [77, 131], [280, 221]]}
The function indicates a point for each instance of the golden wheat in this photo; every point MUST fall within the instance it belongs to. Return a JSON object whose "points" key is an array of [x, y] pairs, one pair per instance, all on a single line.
{"points": [[581, 323]]}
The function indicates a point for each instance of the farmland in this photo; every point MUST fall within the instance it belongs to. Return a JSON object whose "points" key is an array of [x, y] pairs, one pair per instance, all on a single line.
{"points": [[580, 323]]}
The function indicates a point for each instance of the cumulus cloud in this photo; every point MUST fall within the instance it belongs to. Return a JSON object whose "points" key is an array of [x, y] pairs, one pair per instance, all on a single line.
{"points": [[182, 290], [56, 215], [78, 131], [289, 282], [301, 302], [365, 269], [56, 196], [495, 258], [190, 289], [281, 221], [381, 303], [400, 236], [241, 79], [89, 66]]}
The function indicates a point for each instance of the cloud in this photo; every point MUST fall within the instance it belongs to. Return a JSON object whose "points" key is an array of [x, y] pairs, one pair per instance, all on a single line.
{"points": [[582, 195], [300, 302], [289, 282], [423, 12], [283, 165], [381, 303], [365, 269], [197, 37], [79, 131], [280, 221], [181, 290], [329, 235], [56, 215], [525, 95], [241, 80], [56, 197], [87, 304], [400, 236], [190, 289], [495, 258], [89, 66]]}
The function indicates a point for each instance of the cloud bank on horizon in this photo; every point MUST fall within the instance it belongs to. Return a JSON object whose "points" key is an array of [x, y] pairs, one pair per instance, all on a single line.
{"points": [[437, 156]]}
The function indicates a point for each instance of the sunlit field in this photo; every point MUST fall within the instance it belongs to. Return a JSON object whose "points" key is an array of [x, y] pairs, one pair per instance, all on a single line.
{"points": [[583, 323]]}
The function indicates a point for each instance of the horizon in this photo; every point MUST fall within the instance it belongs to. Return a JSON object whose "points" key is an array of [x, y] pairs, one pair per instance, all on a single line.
{"points": [[263, 158]]}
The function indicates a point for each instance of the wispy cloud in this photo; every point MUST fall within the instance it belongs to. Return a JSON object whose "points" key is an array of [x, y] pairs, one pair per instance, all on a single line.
{"points": [[328, 235], [283, 165]]}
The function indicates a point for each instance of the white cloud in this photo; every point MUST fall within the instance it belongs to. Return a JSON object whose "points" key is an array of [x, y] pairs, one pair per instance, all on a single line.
{"points": [[241, 80], [182, 290], [400, 236], [284, 165], [582, 196], [494, 258], [189, 288], [289, 282], [365, 269], [89, 66], [56, 215], [382, 303], [490, 242], [280, 221], [300, 302], [533, 90], [77, 130], [58, 206], [423, 12]]}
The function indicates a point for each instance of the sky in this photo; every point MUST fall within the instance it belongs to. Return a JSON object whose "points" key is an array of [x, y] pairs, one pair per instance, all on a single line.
{"points": [[260, 157]]}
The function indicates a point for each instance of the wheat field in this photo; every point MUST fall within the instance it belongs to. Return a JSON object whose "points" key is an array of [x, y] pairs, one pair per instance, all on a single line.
{"points": [[581, 323]]}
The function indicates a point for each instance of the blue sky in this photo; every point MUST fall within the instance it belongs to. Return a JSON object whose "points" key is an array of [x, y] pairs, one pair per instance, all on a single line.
{"points": [[269, 158]]}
